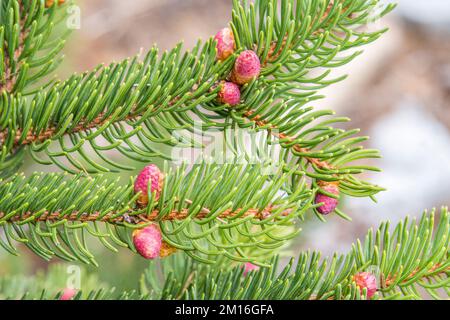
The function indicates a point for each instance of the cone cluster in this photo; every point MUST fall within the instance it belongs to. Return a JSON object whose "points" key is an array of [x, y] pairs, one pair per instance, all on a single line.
{"points": [[246, 67]]}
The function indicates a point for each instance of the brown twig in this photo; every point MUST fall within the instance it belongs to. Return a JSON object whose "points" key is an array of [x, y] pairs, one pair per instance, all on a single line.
{"points": [[99, 120], [10, 77], [297, 147], [391, 279], [186, 285], [112, 217], [272, 55], [51, 131], [83, 125]]}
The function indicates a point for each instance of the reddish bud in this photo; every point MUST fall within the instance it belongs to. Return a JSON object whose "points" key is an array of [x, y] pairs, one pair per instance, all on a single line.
{"points": [[329, 203], [148, 241], [246, 68], [225, 43], [229, 93], [49, 3], [150, 172], [366, 280], [248, 267], [68, 294]]}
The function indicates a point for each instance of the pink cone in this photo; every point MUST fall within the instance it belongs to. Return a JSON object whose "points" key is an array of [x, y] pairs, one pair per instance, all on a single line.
{"points": [[225, 43], [329, 203], [68, 294], [248, 267], [148, 241], [229, 93], [141, 184], [246, 68], [366, 280]]}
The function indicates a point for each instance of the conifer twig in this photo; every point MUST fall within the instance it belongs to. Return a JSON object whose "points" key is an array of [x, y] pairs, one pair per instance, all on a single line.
{"points": [[83, 125], [298, 148], [112, 217], [391, 279], [10, 77]]}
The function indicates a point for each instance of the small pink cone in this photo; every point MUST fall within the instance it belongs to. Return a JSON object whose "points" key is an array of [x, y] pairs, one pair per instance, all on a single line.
{"points": [[366, 280], [148, 241], [141, 183], [225, 43], [68, 294], [329, 203], [246, 68], [248, 267], [229, 93]]}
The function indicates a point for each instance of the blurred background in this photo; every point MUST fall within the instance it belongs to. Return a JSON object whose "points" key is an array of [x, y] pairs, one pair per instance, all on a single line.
{"points": [[398, 93]]}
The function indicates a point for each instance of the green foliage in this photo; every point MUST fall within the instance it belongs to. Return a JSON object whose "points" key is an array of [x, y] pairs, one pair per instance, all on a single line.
{"points": [[138, 108], [233, 211], [307, 43], [134, 106], [30, 43], [47, 285], [412, 262], [31, 39], [212, 213], [130, 106], [413, 259]]}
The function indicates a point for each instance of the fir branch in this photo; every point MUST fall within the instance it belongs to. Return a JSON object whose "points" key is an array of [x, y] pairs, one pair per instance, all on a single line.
{"points": [[313, 278], [274, 131], [153, 110], [310, 38], [44, 209], [52, 285], [286, 45], [134, 103], [309, 278], [136, 217], [10, 77], [26, 32], [22, 139], [435, 270]]}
